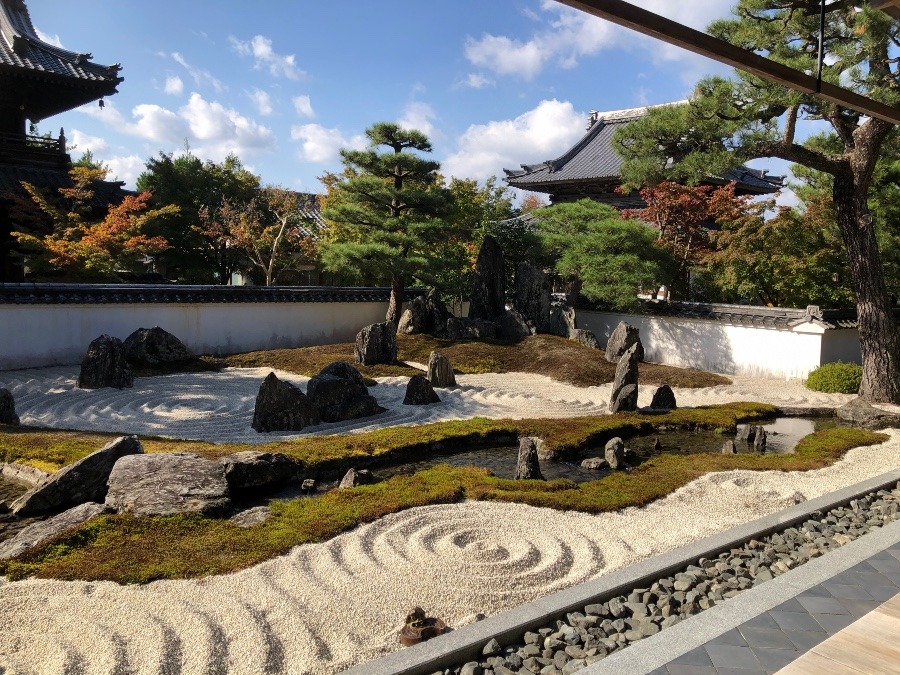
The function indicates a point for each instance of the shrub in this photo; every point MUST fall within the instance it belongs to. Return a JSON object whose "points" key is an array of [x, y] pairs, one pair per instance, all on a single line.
{"points": [[836, 378]]}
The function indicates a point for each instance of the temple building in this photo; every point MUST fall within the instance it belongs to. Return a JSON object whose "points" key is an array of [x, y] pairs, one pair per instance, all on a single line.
{"points": [[591, 168], [38, 80]]}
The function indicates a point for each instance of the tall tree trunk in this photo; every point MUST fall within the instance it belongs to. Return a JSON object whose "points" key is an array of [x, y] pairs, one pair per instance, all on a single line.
{"points": [[879, 338], [395, 306]]}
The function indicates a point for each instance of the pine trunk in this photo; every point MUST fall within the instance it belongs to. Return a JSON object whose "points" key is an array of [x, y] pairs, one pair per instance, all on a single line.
{"points": [[879, 339], [395, 306]]}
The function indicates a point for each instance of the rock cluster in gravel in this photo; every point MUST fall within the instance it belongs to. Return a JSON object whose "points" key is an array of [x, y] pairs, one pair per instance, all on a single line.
{"points": [[584, 637]]}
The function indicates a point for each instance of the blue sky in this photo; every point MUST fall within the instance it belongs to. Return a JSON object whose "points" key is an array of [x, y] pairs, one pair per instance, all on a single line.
{"points": [[284, 85]]}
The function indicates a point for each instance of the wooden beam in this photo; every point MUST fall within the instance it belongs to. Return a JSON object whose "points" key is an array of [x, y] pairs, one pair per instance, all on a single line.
{"points": [[889, 7], [661, 28]]}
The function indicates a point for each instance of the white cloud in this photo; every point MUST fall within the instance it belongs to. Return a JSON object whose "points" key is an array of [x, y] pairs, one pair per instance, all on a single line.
{"points": [[222, 130], [477, 81], [418, 115], [569, 35], [260, 48], [318, 144], [542, 133], [199, 75], [49, 39], [156, 123], [262, 101], [303, 106], [174, 85], [126, 169], [82, 142]]}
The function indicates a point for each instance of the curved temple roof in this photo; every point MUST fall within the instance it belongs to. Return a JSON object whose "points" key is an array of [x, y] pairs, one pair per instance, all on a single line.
{"points": [[594, 159], [24, 55]]}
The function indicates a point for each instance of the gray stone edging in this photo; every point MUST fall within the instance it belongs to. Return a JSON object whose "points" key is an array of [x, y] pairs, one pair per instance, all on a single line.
{"points": [[465, 644]]}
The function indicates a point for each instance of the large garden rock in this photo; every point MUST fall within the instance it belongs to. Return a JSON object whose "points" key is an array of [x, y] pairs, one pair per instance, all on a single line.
{"points": [[562, 320], [151, 346], [512, 326], [340, 393], [425, 314], [620, 341], [664, 399], [470, 329], [8, 408], [531, 295], [527, 466], [860, 413], [280, 406], [585, 337], [41, 531], [440, 372], [104, 365], [376, 343], [259, 471], [420, 392], [81, 481], [489, 286], [166, 484], [625, 384]]}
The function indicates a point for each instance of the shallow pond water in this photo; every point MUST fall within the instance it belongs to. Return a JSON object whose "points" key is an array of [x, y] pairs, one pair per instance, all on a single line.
{"points": [[783, 434]]}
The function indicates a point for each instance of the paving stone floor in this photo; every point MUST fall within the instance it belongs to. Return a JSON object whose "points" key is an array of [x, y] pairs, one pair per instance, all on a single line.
{"points": [[777, 637]]}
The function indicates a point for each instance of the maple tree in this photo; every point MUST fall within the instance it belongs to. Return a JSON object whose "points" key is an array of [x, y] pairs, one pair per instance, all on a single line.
{"points": [[81, 246]]}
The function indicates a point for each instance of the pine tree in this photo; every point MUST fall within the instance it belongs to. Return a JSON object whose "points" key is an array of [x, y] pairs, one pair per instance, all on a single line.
{"points": [[386, 211]]}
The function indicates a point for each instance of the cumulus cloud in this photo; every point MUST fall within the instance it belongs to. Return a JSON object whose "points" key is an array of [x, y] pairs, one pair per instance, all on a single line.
{"points": [[568, 35], [303, 106], [82, 142], [319, 144], [477, 81], [542, 133], [418, 115], [213, 130], [174, 85], [199, 75], [262, 101], [260, 48], [126, 168]]}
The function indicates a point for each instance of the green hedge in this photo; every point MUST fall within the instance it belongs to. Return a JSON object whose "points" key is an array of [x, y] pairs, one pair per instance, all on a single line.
{"points": [[836, 378]]}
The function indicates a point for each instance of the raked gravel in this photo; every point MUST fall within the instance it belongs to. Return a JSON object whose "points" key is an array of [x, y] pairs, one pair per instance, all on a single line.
{"points": [[324, 607]]}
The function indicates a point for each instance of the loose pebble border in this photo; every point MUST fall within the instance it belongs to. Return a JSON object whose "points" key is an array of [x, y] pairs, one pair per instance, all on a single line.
{"points": [[586, 637]]}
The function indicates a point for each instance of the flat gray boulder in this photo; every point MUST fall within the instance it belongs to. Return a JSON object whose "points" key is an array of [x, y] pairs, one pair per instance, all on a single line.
{"points": [[356, 477], [863, 414], [151, 346], [41, 531], [8, 408], [250, 470], [585, 337], [81, 481], [167, 484], [470, 329]]}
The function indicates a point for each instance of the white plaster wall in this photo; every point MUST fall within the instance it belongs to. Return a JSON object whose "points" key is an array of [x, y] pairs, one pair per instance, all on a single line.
{"points": [[841, 345], [43, 335], [715, 346]]}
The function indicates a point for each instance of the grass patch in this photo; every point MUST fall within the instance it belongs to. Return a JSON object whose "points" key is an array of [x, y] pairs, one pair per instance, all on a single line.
{"points": [[137, 550], [557, 358]]}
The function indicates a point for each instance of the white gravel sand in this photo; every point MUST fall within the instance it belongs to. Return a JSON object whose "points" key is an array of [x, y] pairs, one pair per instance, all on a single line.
{"points": [[325, 607]]}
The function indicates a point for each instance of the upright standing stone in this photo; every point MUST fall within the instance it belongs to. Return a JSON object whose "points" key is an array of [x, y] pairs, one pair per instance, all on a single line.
{"points": [[620, 341], [614, 452], [532, 295], [8, 408], [440, 372], [356, 477], [376, 343], [562, 320], [527, 466], [104, 365], [625, 385], [489, 286]]}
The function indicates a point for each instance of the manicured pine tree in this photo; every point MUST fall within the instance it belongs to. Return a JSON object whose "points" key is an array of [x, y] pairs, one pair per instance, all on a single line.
{"points": [[386, 211]]}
